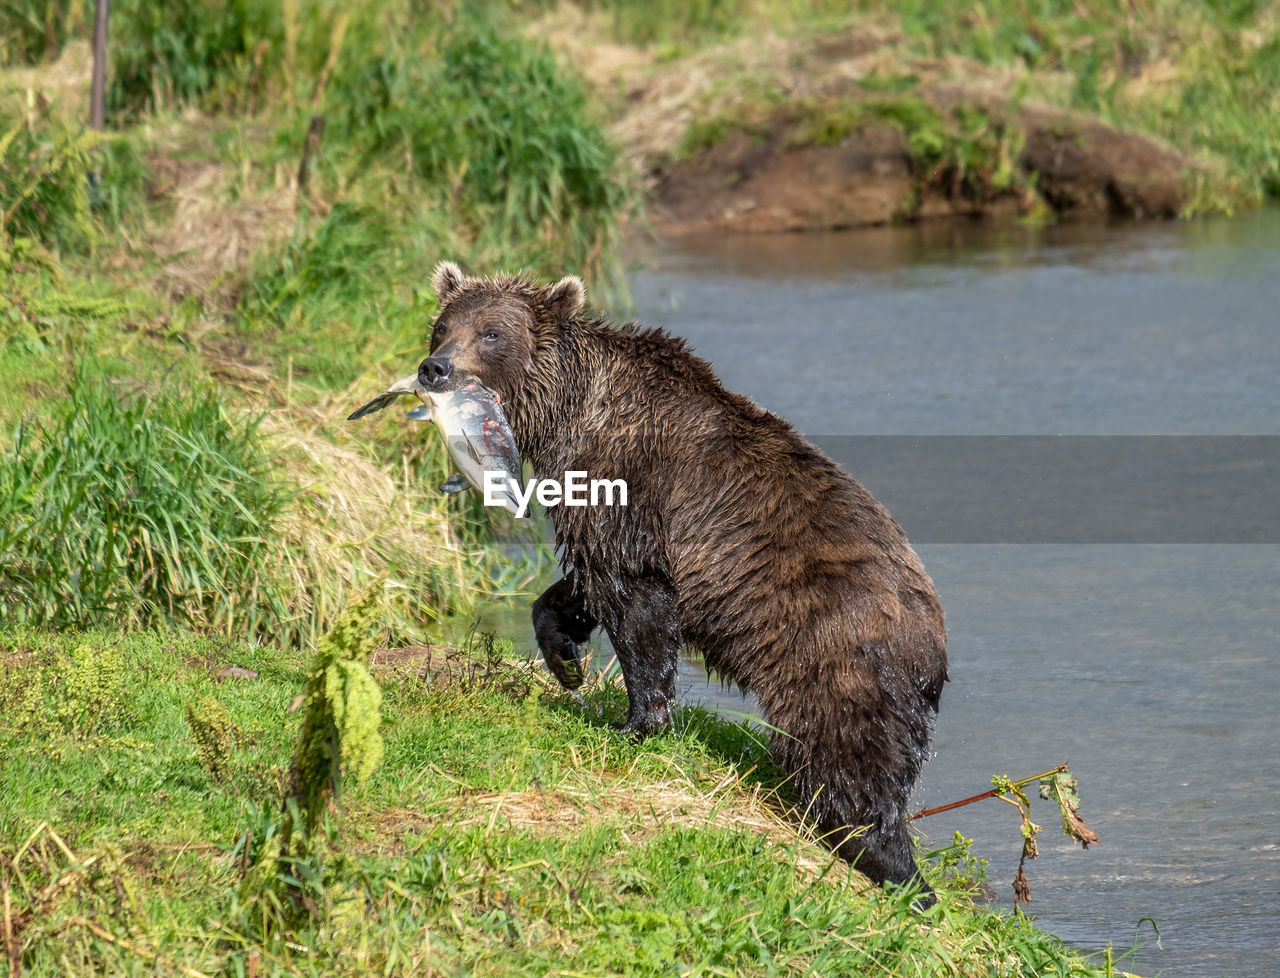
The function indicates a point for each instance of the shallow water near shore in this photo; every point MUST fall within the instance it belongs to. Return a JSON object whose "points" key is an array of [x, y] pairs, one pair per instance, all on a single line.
{"points": [[1148, 662]]}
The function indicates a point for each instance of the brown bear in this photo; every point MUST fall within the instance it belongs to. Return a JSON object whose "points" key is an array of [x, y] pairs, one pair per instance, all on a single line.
{"points": [[739, 538]]}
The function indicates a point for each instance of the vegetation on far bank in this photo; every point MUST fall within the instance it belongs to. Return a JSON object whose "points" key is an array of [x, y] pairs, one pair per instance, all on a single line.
{"points": [[1202, 77]]}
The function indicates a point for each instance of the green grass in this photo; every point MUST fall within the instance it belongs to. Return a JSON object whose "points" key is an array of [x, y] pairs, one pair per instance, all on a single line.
{"points": [[508, 831], [133, 508], [175, 461], [513, 137], [165, 54], [341, 295], [31, 30], [683, 26], [483, 150]]}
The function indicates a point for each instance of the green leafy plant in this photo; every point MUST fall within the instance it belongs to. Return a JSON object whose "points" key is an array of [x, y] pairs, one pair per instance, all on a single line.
{"points": [[90, 691], [82, 693], [1057, 785], [288, 879], [339, 738], [213, 734]]}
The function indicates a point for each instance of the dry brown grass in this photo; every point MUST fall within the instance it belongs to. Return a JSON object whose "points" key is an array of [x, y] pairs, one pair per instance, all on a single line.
{"points": [[63, 85], [210, 237], [354, 516], [640, 811]]}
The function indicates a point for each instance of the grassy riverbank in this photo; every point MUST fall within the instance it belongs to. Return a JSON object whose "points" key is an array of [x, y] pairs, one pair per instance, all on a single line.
{"points": [[508, 831]]}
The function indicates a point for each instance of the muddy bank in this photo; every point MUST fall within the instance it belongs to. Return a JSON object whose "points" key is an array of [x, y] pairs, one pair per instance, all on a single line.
{"points": [[848, 160], [857, 127]]}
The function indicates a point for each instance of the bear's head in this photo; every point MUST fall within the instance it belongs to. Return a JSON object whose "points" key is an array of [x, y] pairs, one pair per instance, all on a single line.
{"points": [[493, 329]]}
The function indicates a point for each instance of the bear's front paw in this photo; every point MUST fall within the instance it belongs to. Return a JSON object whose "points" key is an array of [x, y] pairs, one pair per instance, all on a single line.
{"points": [[642, 723], [563, 661], [630, 730]]}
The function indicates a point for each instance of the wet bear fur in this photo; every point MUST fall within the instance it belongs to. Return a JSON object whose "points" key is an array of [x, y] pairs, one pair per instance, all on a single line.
{"points": [[740, 539]]}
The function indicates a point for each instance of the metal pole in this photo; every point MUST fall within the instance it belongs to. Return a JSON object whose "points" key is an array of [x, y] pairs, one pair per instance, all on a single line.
{"points": [[98, 98]]}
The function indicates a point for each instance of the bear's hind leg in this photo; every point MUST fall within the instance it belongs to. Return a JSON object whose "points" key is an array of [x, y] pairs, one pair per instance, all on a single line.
{"points": [[561, 623], [887, 855], [856, 771], [646, 636]]}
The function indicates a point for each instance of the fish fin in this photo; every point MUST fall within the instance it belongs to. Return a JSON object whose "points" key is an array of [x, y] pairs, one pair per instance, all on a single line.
{"points": [[455, 483], [420, 413], [512, 506], [372, 407], [474, 449], [405, 385]]}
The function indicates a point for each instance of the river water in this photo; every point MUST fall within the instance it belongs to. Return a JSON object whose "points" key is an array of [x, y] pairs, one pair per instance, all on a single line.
{"points": [[933, 362]]}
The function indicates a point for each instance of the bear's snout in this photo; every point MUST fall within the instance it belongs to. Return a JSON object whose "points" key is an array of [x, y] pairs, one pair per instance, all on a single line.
{"points": [[434, 371]]}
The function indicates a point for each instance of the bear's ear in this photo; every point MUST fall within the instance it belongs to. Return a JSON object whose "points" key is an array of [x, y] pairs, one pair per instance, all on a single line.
{"points": [[566, 298], [447, 281]]}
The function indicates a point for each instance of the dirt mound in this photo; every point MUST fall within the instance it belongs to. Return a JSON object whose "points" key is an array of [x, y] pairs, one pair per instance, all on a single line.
{"points": [[769, 179], [748, 184], [1085, 166]]}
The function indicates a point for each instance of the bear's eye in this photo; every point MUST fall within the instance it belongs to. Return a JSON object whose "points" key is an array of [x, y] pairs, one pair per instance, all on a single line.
{"points": [[440, 329], [491, 335]]}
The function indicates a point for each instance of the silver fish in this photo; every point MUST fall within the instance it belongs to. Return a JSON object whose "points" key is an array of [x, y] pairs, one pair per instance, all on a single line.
{"points": [[456, 482], [475, 431]]}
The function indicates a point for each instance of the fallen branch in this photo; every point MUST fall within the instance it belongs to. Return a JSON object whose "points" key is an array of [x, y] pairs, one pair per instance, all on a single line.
{"points": [[993, 793], [1056, 784]]}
